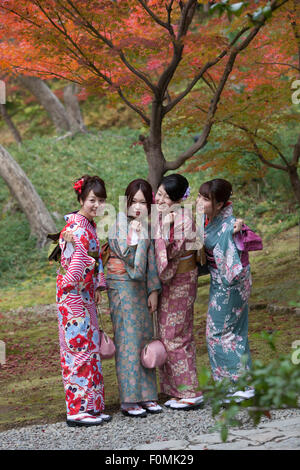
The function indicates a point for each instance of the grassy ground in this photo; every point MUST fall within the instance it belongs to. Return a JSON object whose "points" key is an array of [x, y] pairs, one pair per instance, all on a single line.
{"points": [[31, 385]]}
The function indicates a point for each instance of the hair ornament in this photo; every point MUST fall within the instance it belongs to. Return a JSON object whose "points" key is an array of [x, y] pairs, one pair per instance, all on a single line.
{"points": [[78, 185], [186, 194]]}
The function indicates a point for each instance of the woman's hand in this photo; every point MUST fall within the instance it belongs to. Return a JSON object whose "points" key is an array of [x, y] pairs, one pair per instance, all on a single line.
{"points": [[238, 225], [169, 218], [135, 225], [153, 301], [98, 297], [68, 237]]}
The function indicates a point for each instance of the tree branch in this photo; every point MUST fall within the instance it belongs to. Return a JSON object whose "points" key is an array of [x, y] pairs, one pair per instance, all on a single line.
{"points": [[89, 27], [235, 50], [263, 139], [157, 20]]}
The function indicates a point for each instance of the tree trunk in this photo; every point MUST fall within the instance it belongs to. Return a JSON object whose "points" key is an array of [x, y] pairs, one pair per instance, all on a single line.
{"points": [[73, 109], [10, 124], [155, 157], [295, 181], [41, 222], [48, 100]]}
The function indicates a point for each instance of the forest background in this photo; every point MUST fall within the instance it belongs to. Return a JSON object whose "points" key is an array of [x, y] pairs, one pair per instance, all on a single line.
{"points": [[237, 119]]}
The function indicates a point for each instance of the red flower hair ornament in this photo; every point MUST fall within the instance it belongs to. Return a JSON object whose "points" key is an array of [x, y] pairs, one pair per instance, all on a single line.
{"points": [[78, 185]]}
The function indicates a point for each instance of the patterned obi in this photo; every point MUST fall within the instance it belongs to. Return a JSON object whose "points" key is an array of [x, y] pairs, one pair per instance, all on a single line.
{"points": [[187, 262], [210, 258], [115, 265]]}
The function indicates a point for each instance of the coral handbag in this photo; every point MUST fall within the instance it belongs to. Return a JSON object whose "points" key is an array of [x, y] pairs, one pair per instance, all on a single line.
{"points": [[107, 346], [154, 353]]}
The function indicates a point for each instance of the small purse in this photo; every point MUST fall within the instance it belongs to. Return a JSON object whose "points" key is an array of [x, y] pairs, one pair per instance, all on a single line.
{"points": [[201, 262], [247, 240], [54, 251], [154, 353], [107, 346], [105, 253]]}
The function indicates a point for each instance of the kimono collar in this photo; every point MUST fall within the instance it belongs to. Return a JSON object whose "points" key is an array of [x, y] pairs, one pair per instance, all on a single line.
{"points": [[226, 212], [80, 219]]}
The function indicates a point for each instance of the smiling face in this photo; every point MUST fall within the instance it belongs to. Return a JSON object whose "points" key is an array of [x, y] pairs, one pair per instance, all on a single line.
{"points": [[205, 205], [92, 206], [163, 200], [138, 208]]}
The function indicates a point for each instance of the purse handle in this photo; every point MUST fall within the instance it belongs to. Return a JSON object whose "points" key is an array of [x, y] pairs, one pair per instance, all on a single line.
{"points": [[155, 325], [100, 317]]}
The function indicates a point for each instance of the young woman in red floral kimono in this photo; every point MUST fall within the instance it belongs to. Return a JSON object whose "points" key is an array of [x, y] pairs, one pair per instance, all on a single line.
{"points": [[177, 270], [79, 282]]}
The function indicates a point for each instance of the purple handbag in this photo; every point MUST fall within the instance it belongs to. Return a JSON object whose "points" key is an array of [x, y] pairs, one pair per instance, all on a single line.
{"points": [[247, 240], [154, 353]]}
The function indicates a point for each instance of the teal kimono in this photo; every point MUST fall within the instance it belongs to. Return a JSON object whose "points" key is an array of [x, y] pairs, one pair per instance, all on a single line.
{"points": [[230, 286], [132, 322]]}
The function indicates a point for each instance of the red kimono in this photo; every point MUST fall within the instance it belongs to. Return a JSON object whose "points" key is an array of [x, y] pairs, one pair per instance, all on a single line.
{"points": [[78, 278]]}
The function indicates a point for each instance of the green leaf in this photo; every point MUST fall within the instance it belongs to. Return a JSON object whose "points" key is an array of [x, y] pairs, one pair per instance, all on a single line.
{"points": [[224, 433], [237, 8]]}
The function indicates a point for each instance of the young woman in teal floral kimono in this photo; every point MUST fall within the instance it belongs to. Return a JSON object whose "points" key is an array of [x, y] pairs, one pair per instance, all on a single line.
{"points": [[133, 287], [227, 316], [176, 264]]}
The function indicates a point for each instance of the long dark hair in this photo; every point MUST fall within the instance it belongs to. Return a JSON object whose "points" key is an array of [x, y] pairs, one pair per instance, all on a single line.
{"points": [[90, 183], [134, 187], [175, 186], [217, 190]]}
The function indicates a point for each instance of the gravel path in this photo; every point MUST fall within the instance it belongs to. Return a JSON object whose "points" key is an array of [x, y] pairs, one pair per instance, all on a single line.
{"points": [[124, 433]]}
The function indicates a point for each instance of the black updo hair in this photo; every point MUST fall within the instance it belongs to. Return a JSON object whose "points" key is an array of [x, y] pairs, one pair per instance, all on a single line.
{"points": [[91, 183], [217, 190], [175, 186]]}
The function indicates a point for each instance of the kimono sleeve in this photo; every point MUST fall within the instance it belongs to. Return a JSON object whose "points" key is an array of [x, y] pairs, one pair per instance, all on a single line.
{"points": [[227, 257], [100, 282], [80, 260], [134, 257], [153, 282], [183, 232]]}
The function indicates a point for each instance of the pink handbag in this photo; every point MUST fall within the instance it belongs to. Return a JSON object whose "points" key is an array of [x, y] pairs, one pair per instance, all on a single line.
{"points": [[154, 353], [107, 347]]}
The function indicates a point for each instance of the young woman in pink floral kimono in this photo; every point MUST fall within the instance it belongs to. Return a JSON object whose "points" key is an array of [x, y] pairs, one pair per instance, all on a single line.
{"points": [[79, 282], [177, 270]]}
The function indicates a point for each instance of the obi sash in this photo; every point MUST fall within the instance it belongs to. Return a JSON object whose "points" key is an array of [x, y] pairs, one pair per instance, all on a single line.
{"points": [[187, 262]]}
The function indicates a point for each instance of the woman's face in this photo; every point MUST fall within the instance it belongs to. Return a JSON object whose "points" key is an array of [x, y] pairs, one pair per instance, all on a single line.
{"points": [[138, 208], [92, 206], [204, 205], [162, 199]]}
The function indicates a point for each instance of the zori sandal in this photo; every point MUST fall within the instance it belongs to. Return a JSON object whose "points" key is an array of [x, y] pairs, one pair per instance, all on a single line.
{"points": [[151, 407], [187, 404], [170, 401], [134, 411], [84, 419]]}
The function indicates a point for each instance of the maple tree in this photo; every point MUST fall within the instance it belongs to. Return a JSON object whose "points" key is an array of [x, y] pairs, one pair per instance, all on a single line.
{"points": [[151, 54], [257, 112]]}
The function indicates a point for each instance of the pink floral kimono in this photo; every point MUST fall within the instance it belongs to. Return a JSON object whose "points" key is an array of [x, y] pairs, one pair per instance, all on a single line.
{"points": [[178, 376]]}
